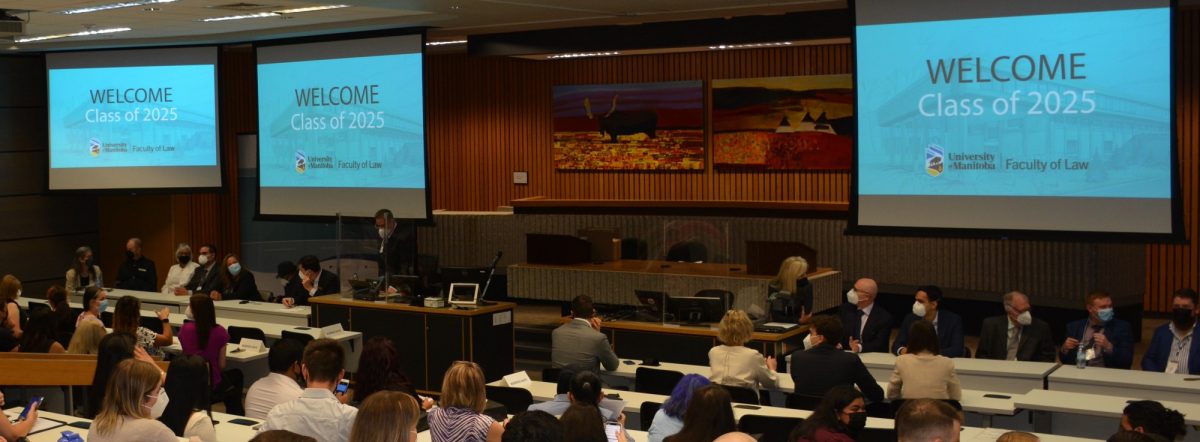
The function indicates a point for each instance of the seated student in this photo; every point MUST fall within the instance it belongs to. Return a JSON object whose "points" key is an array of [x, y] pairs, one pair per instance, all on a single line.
{"points": [[1105, 340], [179, 274], [533, 426], [1166, 351], [379, 370], [137, 272], [206, 279], [114, 349], [582, 423], [669, 418], [822, 366], [1017, 436], [315, 281], [188, 413], [867, 324], [39, 335], [280, 386], [578, 344], [10, 312], [127, 318], [318, 412], [1153, 418], [921, 372], [1016, 335], [86, 340], [206, 338], [927, 420], [460, 418], [790, 293], [239, 283], [710, 414], [568, 388], [389, 416], [95, 303], [18, 430], [61, 315], [289, 278], [840, 416], [948, 324], [83, 272], [135, 398], [733, 363]]}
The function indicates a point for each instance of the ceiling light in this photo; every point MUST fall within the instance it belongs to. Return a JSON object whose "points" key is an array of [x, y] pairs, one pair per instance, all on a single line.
{"points": [[582, 55], [750, 46], [109, 6], [76, 34], [446, 42], [275, 13]]}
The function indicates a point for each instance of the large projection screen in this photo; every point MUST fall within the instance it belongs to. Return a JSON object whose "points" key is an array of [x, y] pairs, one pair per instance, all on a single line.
{"points": [[133, 119], [342, 128], [1023, 116]]}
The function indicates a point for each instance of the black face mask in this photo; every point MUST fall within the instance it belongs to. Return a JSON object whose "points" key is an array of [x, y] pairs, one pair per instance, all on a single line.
{"points": [[1183, 317], [184, 260], [858, 421], [129, 255]]}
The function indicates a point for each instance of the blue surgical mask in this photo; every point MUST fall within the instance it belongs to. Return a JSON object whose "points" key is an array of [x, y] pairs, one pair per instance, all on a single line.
{"points": [[235, 268], [104, 305], [1105, 314]]}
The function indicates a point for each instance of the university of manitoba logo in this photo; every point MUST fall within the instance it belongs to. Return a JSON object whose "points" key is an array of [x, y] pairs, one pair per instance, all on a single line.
{"points": [[301, 162], [933, 160], [94, 146]]}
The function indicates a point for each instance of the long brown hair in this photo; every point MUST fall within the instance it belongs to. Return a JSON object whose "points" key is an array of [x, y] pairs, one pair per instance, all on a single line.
{"points": [[9, 286], [386, 416], [923, 338], [225, 275], [583, 423], [205, 317], [710, 414], [127, 316], [131, 382]]}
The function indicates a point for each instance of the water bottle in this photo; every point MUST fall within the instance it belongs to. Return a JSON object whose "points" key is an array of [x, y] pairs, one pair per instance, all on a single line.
{"points": [[1081, 357]]}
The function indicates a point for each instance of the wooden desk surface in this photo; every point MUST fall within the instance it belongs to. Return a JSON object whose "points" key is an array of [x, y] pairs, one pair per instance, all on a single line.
{"points": [[340, 301], [708, 330], [667, 268]]}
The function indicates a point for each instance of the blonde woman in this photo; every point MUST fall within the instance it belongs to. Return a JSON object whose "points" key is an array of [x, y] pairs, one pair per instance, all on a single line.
{"points": [[790, 294], [460, 417], [386, 416], [134, 398], [86, 340], [733, 363]]}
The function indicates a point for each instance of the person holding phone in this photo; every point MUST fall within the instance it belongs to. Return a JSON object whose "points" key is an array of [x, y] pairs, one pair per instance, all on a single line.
{"points": [[582, 423], [14, 431], [134, 402], [319, 412]]}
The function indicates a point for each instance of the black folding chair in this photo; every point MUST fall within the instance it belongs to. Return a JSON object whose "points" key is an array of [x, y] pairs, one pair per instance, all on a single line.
{"points": [[237, 333], [515, 400], [768, 428], [302, 338], [742, 395], [655, 381], [647, 412]]}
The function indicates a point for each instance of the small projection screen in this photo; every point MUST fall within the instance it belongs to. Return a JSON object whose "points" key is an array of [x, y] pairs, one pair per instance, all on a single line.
{"points": [[133, 119], [1014, 116], [342, 128]]}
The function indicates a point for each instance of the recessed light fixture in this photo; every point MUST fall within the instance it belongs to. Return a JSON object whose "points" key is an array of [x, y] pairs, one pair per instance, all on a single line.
{"points": [[97, 8], [582, 55], [750, 46], [275, 13], [446, 42], [75, 34]]}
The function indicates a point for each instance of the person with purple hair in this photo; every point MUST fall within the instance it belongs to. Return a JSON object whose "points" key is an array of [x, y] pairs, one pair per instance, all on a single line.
{"points": [[669, 419]]}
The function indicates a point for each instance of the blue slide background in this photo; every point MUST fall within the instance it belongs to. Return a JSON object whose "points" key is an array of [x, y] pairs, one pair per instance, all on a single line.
{"points": [[398, 145], [193, 134], [1126, 140]]}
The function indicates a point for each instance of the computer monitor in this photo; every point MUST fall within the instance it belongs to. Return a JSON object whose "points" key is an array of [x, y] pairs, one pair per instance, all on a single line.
{"points": [[475, 275], [695, 309], [653, 300], [464, 294]]}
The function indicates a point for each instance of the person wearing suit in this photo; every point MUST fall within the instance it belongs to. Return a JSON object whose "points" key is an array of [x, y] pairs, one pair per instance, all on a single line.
{"points": [[1105, 341], [578, 344], [397, 246], [1172, 348], [822, 366], [289, 277], [947, 324], [206, 279], [921, 373], [316, 282], [868, 326], [733, 363], [1016, 335]]}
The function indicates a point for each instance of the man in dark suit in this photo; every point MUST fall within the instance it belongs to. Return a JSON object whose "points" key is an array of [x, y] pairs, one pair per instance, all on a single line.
{"points": [[1016, 335], [207, 278], [1173, 349], [1102, 339], [137, 272], [315, 282], [947, 324], [867, 325], [397, 246], [579, 345], [822, 366]]}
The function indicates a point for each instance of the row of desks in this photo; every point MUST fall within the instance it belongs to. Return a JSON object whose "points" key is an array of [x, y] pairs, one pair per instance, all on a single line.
{"points": [[266, 312]]}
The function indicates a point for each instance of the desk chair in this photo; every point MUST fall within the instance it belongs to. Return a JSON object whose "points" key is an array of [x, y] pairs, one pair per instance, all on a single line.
{"points": [[550, 374], [769, 428], [647, 412], [152, 323], [35, 307], [236, 334], [515, 400], [742, 395], [877, 435], [688, 251], [803, 402], [655, 381], [302, 338]]}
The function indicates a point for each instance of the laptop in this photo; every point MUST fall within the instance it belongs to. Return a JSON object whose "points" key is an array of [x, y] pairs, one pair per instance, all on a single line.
{"points": [[464, 294]]}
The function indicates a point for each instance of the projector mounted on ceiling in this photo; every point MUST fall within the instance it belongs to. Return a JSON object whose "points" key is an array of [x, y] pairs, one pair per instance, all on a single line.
{"points": [[11, 25]]}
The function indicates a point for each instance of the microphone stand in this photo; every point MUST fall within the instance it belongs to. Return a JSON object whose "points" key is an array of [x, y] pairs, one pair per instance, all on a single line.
{"points": [[487, 284]]}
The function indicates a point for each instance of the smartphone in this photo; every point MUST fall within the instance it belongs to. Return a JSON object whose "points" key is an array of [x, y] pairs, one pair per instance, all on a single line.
{"points": [[612, 429], [36, 401], [343, 385]]}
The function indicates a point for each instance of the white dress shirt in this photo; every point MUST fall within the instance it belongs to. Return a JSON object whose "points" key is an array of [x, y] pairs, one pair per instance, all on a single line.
{"points": [[268, 392], [178, 277], [316, 414]]}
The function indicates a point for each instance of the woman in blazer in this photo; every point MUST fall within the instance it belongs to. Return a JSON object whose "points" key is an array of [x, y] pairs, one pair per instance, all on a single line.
{"points": [[735, 364], [922, 373]]}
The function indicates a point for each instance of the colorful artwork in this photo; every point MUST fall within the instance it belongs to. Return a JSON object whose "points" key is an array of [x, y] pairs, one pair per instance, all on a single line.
{"points": [[636, 126], [783, 123]]}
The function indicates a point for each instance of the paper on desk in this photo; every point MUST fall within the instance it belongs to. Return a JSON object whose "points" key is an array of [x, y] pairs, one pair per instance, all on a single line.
{"points": [[989, 435]]}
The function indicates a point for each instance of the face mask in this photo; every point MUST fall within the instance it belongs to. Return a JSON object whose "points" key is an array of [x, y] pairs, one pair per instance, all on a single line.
{"points": [[1105, 314], [104, 306], [235, 268], [160, 405], [919, 309], [18, 293], [1025, 318], [188, 313], [382, 232], [1182, 317], [202, 259], [184, 260], [858, 421], [852, 296], [283, 282], [128, 255], [808, 342]]}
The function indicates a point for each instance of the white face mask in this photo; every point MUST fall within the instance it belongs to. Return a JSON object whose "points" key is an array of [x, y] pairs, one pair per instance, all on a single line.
{"points": [[808, 342], [1025, 318], [160, 405], [188, 313], [202, 259], [382, 232], [919, 309], [852, 296]]}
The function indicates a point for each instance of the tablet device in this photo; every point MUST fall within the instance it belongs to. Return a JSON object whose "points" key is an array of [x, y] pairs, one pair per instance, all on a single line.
{"points": [[463, 293]]}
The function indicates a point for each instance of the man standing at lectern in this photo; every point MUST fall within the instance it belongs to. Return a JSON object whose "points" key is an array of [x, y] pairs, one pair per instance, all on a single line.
{"points": [[395, 246]]}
